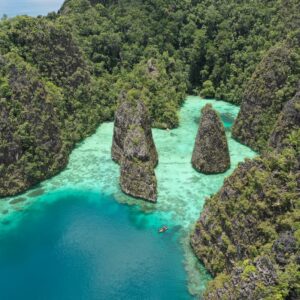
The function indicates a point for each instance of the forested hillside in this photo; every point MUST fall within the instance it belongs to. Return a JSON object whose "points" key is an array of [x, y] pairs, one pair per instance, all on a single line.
{"points": [[49, 101], [219, 41], [248, 234], [64, 74]]}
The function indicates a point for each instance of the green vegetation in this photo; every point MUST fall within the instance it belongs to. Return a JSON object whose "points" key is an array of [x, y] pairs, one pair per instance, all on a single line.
{"points": [[62, 75], [49, 101], [258, 213], [221, 42], [90, 52], [231, 39], [274, 82]]}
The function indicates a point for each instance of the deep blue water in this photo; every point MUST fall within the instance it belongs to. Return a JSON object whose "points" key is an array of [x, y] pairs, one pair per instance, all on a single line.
{"points": [[78, 244], [84, 245], [77, 236], [28, 7]]}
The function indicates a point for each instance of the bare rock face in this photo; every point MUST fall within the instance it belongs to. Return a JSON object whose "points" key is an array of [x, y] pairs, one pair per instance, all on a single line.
{"points": [[260, 272], [261, 103], [211, 154], [137, 170], [284, 247], [288, 120], [31, 146], [132, 113], [230, 238]]}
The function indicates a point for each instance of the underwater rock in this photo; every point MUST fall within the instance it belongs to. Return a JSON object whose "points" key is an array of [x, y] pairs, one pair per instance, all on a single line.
{"points": [[36, 193], [137, 170], [17, 200], [131, 113], [288, 120], [211, 154]]}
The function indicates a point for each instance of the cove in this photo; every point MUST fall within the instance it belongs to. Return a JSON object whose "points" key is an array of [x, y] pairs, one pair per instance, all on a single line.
{"points": [[77, 236]]}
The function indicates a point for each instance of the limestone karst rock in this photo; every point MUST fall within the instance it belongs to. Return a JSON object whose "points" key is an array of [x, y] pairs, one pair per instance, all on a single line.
{"points": [[264, 98], [239, 286], [131, 113], [21, 163], [229, 237], [211, 154], [288, 120], [137, 170]]}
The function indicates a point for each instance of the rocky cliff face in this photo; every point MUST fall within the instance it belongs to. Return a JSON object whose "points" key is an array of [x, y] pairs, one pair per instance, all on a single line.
{"points": [[31, 147], [47, 101], [137, 170], [248, 233], [273, 83], [128, 114], [254, 214], [288, 120], [269, 276], [211, 154], [244, 281]]}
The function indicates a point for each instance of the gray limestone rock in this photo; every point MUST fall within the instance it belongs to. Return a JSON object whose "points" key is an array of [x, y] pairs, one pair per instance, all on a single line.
{"points": [[288, 120], [211, 154], [131, 113], [137, 170]]}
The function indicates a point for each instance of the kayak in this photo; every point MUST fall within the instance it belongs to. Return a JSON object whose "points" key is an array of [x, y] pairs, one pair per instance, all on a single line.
{"points": [[163, 229]]}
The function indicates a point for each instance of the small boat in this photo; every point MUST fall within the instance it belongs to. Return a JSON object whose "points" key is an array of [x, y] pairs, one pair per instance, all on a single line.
{"points": [[163, 229]]}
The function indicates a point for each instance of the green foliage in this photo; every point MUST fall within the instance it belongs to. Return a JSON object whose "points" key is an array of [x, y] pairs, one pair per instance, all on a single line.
{"points": [[78, 62], [49, 101], [220, 41], [160, 83], [230, 39], [208, 90], [274, 82], [62, 75], [261, 201]]}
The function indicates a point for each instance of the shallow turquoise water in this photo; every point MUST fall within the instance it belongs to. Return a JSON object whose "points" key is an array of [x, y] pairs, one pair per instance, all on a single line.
{"points": [[87, 238], [28, 7], [84, 245]]}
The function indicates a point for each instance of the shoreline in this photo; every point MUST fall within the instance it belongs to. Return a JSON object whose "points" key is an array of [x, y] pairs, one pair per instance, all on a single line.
{"points": [[90, 168]]}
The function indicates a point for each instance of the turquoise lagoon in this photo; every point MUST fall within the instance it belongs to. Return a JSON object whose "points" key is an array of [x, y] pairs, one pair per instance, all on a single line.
{"points": [[77, 236]]}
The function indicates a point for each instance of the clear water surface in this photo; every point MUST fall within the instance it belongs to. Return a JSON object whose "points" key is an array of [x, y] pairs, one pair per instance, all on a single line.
{"points": [[77, 236]]}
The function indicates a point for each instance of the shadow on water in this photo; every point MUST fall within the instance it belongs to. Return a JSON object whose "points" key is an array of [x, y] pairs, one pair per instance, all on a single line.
{"points": [[227, 119]]}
